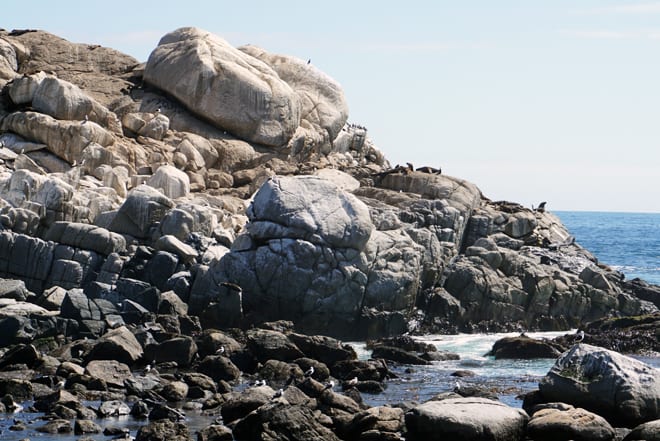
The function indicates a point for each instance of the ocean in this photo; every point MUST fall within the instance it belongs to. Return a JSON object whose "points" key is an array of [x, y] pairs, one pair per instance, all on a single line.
{"points": [[629, 242]]}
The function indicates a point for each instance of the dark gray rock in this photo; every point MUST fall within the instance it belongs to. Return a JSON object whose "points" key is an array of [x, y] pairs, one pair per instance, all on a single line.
{"points": [[164, 430], [219, 368], [280, 422], [267, 345], [181, 350]]}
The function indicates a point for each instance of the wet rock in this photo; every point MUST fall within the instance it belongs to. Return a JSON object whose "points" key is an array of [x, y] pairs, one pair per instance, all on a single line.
{"points": [[322, 348], [219, 368], [56, 426], [621, 389], [181, 350], [25, 354], [375, 370], [164, 430], [174, 391], [215, 432], [523, 347], [398, 355], [118, 344], [239, 405], [267, 345], [82, 427], [281, 422], [112, 372], [19, 389]]}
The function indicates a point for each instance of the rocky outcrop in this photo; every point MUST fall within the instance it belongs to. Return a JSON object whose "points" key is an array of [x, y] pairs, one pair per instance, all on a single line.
{"points": [[621, 389], [233, 179], [224, 86]]}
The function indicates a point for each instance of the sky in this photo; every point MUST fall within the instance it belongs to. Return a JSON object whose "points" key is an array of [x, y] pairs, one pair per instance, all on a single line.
{"points": [[531, 100]]}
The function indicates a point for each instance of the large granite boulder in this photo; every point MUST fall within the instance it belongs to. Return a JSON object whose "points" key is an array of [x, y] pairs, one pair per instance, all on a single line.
{"points": [[621, 389], [310, 254], [561, 421], [465, 419], [224, 86], [324, 109]]}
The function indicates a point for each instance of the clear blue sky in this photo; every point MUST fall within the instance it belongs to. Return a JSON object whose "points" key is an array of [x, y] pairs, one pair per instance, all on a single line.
{"points": [[555, 100]]}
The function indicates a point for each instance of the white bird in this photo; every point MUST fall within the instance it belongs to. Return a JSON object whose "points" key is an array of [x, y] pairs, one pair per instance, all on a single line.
{"points": [[60, 384], [309, 371], [457, 386], [221, 350], [85, 120], [580, 336], [353, 381], [147, 368], [278, 393], [329, 385]]}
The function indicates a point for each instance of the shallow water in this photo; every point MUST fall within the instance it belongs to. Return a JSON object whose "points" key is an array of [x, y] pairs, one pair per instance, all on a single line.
{"points": [[507, 378]]}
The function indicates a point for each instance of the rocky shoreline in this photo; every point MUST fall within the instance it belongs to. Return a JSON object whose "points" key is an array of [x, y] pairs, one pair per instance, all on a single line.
{"points": [[207, 211]]}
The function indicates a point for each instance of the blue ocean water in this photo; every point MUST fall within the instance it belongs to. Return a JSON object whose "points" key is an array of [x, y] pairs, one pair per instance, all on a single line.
{"points": [[628, 242]]}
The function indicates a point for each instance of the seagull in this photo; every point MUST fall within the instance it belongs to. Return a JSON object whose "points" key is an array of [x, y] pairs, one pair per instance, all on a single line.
{"points": [[309, 372], [580, 336], [60, 384], [85, 120], [353, 381], [457, 386], [158, 110], [329, 385], [147, 368], [278, 393], [221, 350]]}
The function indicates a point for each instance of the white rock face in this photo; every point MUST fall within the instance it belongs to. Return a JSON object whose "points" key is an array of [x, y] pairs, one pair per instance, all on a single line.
{"points": [[224, 86], [173, 182], [63, 100], [65, 139], [619, 388], [324, 106]]}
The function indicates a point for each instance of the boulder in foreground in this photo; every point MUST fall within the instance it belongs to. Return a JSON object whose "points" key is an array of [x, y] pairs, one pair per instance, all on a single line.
{"points": [[621, 389]]}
